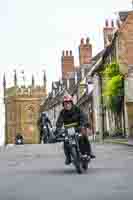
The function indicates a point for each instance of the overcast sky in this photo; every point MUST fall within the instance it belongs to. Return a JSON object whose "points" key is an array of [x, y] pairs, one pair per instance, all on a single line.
{"points": [[33, 33]]}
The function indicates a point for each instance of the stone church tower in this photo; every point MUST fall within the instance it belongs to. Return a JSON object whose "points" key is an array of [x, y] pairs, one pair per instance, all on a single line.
{"points": [[22, 108]]}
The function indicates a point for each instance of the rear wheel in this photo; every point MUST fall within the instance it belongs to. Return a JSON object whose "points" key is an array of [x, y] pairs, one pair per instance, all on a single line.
{"points": [[76, 161], [45, 136], [85, 165]]}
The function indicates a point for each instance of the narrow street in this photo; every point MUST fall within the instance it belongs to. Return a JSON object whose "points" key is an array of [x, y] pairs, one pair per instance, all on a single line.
{"points": [[36, 172]]}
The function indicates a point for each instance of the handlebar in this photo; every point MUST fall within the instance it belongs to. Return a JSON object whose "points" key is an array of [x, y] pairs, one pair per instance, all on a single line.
{"points": [[59, 132]]}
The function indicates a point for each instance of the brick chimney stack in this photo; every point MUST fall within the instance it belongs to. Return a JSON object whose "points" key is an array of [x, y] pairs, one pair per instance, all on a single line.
{"points": [[85, 52], [108, 32], [67, 62]]}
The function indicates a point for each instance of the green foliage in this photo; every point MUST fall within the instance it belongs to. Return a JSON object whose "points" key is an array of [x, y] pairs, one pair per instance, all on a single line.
{"points": [[111, 70], [113, 103], [113, 87]]}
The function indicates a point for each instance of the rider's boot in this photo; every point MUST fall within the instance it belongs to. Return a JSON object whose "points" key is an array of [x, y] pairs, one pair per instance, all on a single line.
{"points": [[68, 160], [67, 154]]}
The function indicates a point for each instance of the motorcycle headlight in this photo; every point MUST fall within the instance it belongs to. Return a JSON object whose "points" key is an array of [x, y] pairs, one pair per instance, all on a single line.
{"points": [[71, 131], [66, 138]]}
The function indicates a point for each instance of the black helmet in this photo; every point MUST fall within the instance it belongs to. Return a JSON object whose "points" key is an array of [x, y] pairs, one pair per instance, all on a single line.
{"points": [[44, 114]]}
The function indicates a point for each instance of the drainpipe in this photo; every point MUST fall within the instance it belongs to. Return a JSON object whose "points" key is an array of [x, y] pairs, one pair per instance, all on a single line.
{"points": [[124, 125], [92, 115], [91, 110], [101, 109]]}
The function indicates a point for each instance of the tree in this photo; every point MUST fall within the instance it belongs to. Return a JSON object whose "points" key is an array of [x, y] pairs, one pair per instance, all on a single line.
{"points": [[113, 89]]}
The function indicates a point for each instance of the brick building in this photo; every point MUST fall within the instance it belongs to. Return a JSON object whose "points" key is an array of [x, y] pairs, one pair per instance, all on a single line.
{"points": [[118, 42], [125, 57], [71, 77], [118, 45]]}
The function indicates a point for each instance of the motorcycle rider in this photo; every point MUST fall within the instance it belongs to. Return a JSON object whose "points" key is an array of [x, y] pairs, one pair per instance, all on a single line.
{"points": [[72, 114], [44, 120], [20, 138]]}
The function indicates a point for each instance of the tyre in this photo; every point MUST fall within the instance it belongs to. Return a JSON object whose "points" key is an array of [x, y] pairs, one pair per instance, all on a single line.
{"points": [[76, 161], [45, 137], [85, 165]]}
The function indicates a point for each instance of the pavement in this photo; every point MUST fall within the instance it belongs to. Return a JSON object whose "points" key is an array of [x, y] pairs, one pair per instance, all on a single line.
{"points": [[128, 142], [37, 172]]}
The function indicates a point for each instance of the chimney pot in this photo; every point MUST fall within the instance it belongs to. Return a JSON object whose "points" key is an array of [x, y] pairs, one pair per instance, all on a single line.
{"points": [[63, 53], [67, 63], [106, 23], [87, 40], [82, 41], [118, 23], [85, 52], [112, 23]]}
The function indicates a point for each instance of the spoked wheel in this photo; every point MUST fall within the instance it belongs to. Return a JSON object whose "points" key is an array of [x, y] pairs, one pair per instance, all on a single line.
{"points": [[76, 161], [85, 166], [45, 139], [85, 162]]}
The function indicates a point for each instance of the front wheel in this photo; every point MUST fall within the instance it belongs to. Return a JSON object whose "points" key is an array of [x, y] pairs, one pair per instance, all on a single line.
{"points": [[85, 161], [45, 136], [45, 139], [76, 161], [85, 166]]}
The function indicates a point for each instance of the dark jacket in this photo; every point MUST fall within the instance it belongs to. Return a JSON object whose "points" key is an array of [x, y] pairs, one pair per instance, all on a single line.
{"points": [[75, 115], [44, 121]]}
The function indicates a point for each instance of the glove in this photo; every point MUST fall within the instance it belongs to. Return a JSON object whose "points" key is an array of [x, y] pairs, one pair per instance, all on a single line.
{"points": [[52, 139], [57, 132]]}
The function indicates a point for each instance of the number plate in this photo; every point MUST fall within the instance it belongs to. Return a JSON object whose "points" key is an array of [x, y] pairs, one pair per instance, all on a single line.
{"points": [[73, 142], [71, 131]]}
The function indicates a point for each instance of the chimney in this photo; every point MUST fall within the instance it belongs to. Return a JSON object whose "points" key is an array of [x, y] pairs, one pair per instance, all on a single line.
{"points": [[44, 78], [33, 81], [15, 78], [108, 32], [67, 62], [85, 52], [4, 85], [118, 23]]}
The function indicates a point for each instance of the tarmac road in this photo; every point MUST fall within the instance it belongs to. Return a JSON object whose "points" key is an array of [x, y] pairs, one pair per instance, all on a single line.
{"points": [[36, 172]]}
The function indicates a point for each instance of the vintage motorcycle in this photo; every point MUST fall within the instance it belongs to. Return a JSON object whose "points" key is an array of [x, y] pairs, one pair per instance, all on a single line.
{"points": [[19, 140], [47, 134], [71, 137]]}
